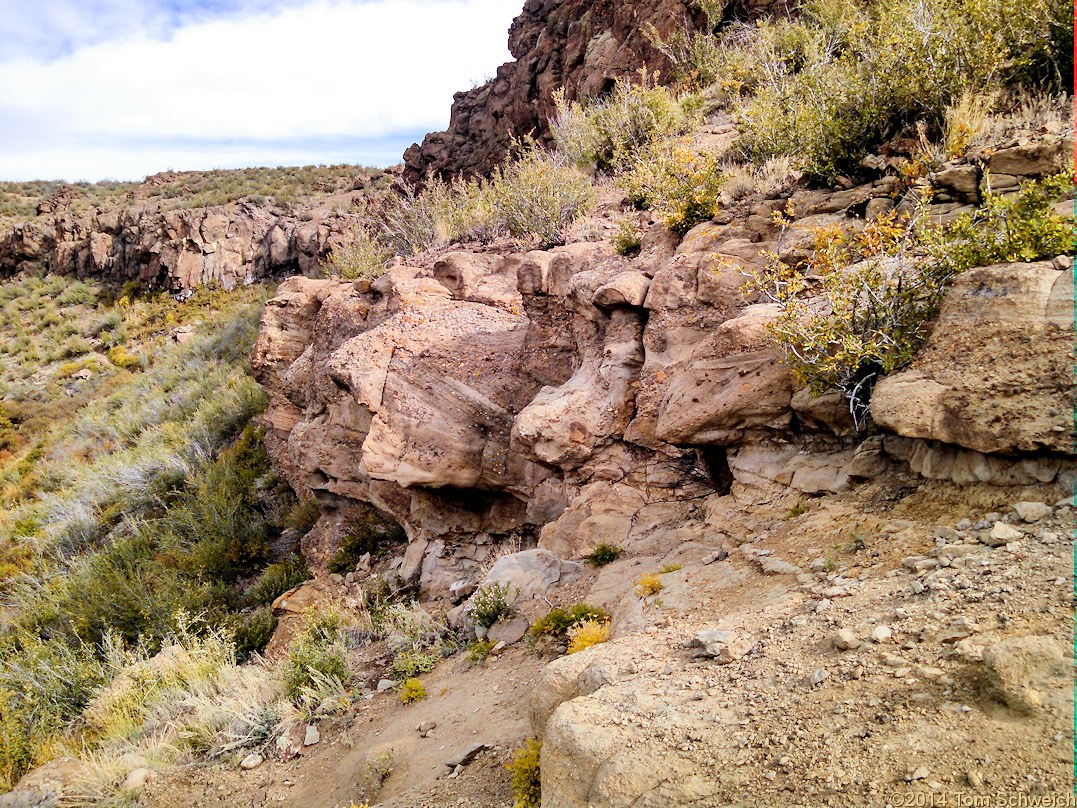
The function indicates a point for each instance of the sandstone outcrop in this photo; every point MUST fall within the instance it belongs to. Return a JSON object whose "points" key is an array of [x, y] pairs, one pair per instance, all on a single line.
{"points": [[571, 397]]}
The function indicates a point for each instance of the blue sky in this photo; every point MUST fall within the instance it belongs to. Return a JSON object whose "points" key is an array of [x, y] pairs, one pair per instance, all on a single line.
{"points": [[118, 89]]}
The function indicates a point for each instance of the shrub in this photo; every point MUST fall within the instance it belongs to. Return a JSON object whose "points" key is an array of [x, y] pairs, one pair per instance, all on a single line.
{"points": [[315, 650], [361, 257], [276, 580], [122, 359], [649, 584], [842, 77], [370, 533], [590, 632], [681, 185], [415, 221], [526, 775], [668, 568], [539, 195], [627, 236], [478, 651], [558, 621], [610, 133], [412, 690], [490, 603], [872, 315], [411, 662], [253, 632], [603, 554]]}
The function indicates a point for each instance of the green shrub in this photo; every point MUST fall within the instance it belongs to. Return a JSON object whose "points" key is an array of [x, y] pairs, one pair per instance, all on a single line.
{"points": [[603, 554], [526, 775], [490, 603], [882, 288], [371, 533], [414, 221], [539, 195], [411, 662], [276, 580], [253, 632], [611, 133], [627, 236], [478, 651], [842, 76], [558, 621], [412, 690], [361, 257], [681, 185], [316, 651]]}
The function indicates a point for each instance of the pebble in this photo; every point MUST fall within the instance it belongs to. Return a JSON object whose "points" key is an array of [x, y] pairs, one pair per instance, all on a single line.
{"points": [[845, 640], [137, 779], [312, 736], [252, 761], [818, 675], [1032, 511], [882, 634], [386, 684]]}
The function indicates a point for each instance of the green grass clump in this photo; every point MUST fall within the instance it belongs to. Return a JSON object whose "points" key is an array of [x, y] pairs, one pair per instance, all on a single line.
{"points": [[526, 775], [411, 662], [316, 652], [478, 651], [276, 580], [603, 554], [558, 621]]}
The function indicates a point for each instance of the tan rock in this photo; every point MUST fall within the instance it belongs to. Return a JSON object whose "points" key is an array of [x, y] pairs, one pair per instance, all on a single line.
{"points": [[958, 392]]}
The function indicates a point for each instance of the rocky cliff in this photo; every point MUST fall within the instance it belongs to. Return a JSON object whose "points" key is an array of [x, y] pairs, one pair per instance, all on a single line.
{"points": [[153, 235], [581, 47], [573, 396]]}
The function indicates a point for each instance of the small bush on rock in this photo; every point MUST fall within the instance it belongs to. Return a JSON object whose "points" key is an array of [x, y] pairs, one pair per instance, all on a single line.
{"points": [[588, 633], [881, 288], [648, 585], [361, 257], [603, 554], [540, 195], [680, 184], [558, 621], [316, 650], [610, 133], [490, 603]]}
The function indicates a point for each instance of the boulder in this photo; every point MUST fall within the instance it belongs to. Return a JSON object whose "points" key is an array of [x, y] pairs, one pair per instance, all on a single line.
{"points": [[531, 573], [958, 392], [1032, 673]]}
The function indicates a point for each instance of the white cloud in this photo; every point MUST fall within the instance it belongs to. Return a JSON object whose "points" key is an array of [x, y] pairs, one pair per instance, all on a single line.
{"points": [[323, 70]]}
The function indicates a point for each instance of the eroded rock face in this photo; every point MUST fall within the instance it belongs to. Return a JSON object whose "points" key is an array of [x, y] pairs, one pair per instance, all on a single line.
{"points": [[573, 397], [582, 47], [225, 245]]}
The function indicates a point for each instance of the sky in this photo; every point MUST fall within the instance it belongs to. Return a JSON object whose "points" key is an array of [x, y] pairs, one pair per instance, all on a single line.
{"points": [[119, 89]]}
